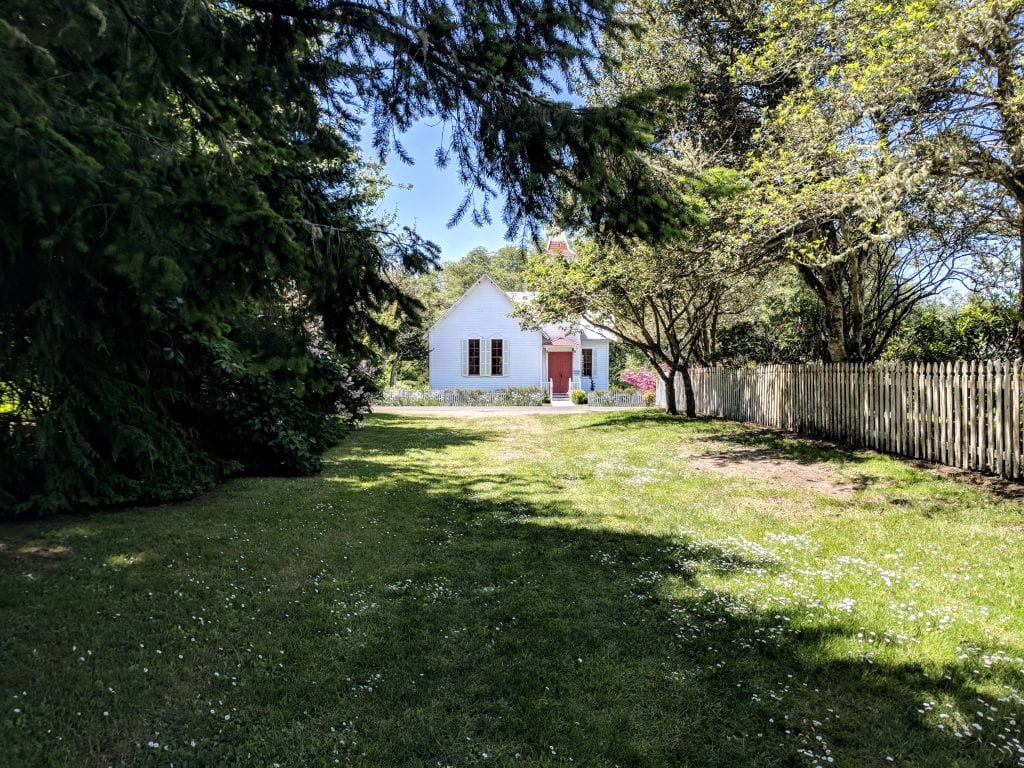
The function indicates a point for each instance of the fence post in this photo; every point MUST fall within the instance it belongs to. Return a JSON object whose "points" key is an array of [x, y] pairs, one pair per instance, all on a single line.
{"points": [[1015, 445], [930, 392]]}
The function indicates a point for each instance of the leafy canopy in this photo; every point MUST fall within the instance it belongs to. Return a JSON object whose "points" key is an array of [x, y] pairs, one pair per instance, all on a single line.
{"points": [[190, 265]]}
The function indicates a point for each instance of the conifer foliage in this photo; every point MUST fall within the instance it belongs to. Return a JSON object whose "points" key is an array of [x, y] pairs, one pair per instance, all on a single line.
{"points": [[189, 265]]}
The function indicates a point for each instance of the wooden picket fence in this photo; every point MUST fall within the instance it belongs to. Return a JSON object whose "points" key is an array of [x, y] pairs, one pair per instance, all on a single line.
{"points": [[962, 414]]}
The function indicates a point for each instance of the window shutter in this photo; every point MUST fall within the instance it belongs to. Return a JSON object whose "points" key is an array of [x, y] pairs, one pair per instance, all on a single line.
{"points": [[485, 357], [506, 357], [465, 357]]}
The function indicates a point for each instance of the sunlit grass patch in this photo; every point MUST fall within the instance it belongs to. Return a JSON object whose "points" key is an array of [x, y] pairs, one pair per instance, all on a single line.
{"points": [[123, 560]]}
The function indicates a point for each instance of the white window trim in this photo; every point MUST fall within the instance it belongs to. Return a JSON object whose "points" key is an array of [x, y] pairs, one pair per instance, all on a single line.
{"points": [[485, 357]]}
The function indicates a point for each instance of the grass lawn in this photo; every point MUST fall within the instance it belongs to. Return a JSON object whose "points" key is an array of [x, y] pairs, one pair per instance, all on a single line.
{"points": [[595, 589]]}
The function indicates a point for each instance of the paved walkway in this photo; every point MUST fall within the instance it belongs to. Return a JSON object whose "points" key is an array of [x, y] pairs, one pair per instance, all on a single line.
{"points": [[504, 410]]}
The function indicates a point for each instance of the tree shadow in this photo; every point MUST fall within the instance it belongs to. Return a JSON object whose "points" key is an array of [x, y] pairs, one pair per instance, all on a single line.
{"points": [[524, 636], [750, 444], [403, 433], [453, 620], [743, 439], [756, 442], [814, 464], [616, 420]]}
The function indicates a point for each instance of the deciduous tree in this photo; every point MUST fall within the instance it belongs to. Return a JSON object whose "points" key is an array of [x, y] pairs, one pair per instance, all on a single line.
{"points": [[658, 301], [904, 130]]}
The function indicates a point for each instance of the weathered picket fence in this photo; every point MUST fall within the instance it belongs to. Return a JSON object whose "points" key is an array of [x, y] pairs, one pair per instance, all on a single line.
{"points": [[520, 396], [606, 398], [963, 414]]}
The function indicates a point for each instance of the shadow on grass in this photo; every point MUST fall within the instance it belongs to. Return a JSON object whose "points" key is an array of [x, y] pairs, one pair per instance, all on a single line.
{"points": [[754, 442], [401, 433], [738, 444], [745, 444], [437, 625], [513, 634], [616, 420], [743, 439]]}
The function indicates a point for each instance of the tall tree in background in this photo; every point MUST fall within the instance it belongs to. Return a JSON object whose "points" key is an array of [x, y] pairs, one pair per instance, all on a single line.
{"points": [[982, 329], [666, 298], [780, 324], [406, 320], [888, 95], [857, 230], [968, 120], [187, 233], [688, 51], [506, 265], [833, 189], [811, 104]]}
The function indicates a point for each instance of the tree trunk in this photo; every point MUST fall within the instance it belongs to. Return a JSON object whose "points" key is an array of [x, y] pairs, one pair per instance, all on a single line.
{"points": [[691, 400], [394, 369], [828, 288], [834, 327], [855, 319], [668, 379]]}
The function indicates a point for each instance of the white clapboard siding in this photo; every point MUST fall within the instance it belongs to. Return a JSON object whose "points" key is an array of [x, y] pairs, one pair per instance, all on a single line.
{"points": [[964, 414], [483, 313]]}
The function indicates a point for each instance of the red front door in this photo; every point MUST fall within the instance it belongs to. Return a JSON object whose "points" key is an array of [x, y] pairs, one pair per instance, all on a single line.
{"points": [[560, 371]]}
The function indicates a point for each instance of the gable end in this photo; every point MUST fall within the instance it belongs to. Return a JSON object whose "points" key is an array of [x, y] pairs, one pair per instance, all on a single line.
{"points": [[485, 278]]}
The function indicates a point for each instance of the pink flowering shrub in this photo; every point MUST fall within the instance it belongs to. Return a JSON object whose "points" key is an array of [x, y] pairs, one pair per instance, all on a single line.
{"points": [[640, 379], [354, 393], [643, 380]]}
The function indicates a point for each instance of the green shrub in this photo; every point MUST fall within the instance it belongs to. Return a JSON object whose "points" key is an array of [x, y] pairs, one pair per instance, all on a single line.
{"points": [[579, 397], [525, 396], [280, 424], [270, 400]]}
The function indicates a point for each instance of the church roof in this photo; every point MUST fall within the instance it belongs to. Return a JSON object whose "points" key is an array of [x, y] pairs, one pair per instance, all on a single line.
{"points": [[560, 244]]}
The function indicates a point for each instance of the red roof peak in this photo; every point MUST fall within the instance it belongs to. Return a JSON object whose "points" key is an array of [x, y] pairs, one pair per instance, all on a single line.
{"points": [[559, 244]]}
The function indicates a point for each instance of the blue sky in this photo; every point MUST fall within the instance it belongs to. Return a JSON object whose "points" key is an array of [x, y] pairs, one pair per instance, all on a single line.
{"points": [[434, 196]]}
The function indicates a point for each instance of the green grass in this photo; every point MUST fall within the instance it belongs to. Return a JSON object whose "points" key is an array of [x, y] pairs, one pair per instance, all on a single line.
{"points": [[589, 589]]}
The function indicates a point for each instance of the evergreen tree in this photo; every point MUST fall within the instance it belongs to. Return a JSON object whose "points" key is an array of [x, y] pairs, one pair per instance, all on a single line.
{"points": [[189, 267]]}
